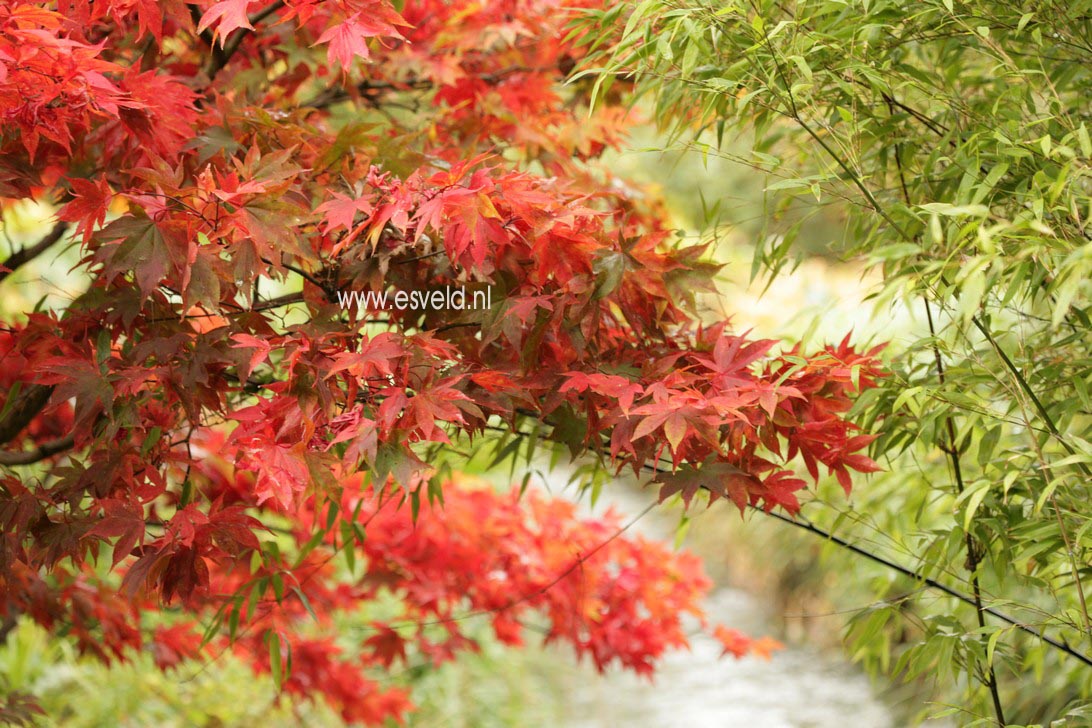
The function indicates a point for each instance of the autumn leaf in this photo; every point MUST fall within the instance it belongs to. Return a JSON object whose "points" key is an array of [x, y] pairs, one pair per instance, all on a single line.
{"points": [[387, 645], [227, 16], [89, 207], [348, 39]]}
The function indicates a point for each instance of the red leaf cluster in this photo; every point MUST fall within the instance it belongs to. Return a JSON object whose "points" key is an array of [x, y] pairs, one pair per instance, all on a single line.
{"points": [[183, 415]]}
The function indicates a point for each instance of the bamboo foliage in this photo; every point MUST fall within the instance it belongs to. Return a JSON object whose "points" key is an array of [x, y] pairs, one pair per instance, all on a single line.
{"points": [[954, 139]]}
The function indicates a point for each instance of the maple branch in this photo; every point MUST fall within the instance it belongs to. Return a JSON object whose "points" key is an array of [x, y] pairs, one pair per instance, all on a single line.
{"points": [[43, 451], [323, 283], [456, 325], [205, 35], [27, 404], [892, 565], [27, 254], [333, 94], [21, 404], [270, 303], [417, 258], [9, 623], [232, 45], [370, 88], [916, 576], [260, 15], [285, 300], [220, 56]]}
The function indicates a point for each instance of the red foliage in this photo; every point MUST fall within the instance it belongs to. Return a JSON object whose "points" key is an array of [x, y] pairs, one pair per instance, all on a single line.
{"points": [[202, 152]]}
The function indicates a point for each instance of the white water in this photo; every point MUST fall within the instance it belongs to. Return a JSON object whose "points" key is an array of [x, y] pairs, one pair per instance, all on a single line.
{"points": [[799, 687]]}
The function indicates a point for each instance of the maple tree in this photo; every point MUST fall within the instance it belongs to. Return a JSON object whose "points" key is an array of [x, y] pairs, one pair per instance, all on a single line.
{"points": [[183, 434]]}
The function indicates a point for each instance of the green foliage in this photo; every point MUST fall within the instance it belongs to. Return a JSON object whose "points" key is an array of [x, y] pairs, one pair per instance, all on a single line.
{"points": [[497, 686], [953, 140], [84, 693]]}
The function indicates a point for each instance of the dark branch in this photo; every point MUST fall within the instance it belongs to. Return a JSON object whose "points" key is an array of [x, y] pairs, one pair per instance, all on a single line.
{"points": [[206, 36], [236, 40], [371, 88], [366, 88], [887, 563], [27, 404], [931, 583], [260, 15], [43, 451], [24, 256], [220, 56], [286, 300], [8, 624]]}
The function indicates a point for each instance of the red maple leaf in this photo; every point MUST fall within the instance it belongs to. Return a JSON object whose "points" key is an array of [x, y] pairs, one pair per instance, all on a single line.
{"points": [[89, 205], [227, 15]]}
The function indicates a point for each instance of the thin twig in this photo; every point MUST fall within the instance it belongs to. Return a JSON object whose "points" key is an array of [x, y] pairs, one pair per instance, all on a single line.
{"points": [[885, 562]]}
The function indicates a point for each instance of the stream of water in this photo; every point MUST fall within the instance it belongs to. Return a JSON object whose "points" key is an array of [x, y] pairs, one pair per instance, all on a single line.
{"points": [[799, 687]]}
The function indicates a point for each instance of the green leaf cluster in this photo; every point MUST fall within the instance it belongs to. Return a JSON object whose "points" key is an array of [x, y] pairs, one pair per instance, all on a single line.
{"points": [[953, 140]]}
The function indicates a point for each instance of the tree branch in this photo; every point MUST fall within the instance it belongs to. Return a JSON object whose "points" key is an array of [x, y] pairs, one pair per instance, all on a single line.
{"points": [[28, 403], [371, 88], [8, 624], [43, 451], [887, 563], [232, 45], [24, 256], [927, 581], [220, 56]]}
